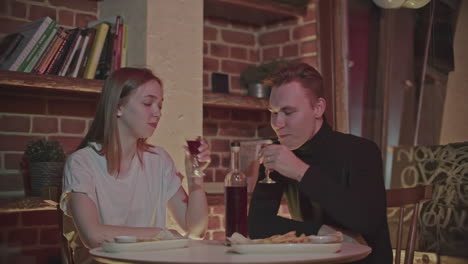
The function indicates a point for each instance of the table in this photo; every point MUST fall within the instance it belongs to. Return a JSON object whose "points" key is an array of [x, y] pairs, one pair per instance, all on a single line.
{"points": [[212, 252]]}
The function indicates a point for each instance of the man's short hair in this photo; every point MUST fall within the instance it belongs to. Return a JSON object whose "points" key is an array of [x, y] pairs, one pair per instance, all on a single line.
{"points": [[303, 73]]}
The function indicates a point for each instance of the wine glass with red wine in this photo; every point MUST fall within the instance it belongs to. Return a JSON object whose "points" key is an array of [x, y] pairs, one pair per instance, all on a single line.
{"points": [[193, 145]]}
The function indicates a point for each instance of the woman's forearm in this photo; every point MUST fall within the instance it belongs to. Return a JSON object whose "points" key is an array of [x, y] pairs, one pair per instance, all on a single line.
{"points": [[103, 233], [197, 210]]}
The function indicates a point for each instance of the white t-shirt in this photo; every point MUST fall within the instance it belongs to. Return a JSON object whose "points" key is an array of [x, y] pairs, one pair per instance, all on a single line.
{"points": [[138, 199]]}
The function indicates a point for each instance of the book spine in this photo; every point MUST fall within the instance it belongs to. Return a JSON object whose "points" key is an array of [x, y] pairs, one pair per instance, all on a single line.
{"points": [[31, 44], [51, 53], [57, 54], [36, 47], [123, 60], [115, 61], [41, 51], [80, 56], [68, 60], [101, 32], [48, 50], [84, 61]]}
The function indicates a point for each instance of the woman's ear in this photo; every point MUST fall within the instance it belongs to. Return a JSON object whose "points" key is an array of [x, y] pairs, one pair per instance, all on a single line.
{"points": [[320, 106], [119, 111]]}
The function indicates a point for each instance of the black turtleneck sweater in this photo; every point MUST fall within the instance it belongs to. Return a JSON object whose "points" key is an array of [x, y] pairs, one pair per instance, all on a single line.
{"points": [[343, 187]]}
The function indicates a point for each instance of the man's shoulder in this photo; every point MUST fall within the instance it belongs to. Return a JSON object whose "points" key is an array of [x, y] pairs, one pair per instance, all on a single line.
{"points": [[353, 140]]}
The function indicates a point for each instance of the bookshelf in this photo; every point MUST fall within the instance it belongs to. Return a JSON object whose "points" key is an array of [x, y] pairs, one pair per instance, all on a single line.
{"points": [[11, 80]]}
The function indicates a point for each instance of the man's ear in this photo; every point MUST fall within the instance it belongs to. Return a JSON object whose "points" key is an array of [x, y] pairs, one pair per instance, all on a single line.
{"points": [[119, 111], [319, 107]]}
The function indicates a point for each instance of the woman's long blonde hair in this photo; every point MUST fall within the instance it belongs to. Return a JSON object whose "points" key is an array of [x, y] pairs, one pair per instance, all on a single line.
{"points": [[117, 89]]}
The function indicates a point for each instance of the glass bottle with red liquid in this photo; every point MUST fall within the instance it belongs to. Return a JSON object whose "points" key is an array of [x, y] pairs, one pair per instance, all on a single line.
{"points": [[235, 196]]}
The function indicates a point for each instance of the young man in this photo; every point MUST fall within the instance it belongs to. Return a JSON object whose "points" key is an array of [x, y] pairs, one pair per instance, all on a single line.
{"points": [[327, 177]]}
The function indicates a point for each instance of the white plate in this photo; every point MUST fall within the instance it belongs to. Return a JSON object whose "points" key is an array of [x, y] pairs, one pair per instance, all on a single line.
{"points": [[304, 248], [144, 246]]}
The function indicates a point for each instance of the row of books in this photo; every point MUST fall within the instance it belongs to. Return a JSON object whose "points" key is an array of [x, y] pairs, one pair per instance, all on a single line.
{"points": [[42, 47]]}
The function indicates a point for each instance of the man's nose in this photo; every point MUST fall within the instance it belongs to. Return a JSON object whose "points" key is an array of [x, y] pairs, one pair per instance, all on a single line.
{"points": [[277, 122]]}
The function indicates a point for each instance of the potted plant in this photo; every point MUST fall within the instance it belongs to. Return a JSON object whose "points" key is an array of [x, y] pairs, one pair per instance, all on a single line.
{"points": [[253, 78], [44, 160]]}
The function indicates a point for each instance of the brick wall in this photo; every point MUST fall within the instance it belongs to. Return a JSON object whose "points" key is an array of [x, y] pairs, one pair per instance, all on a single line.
{"points": [[30, 236]]}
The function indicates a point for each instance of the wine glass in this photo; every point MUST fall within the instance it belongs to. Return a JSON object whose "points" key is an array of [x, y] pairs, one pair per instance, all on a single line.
{"points": [[267, 178], [193, 145]]}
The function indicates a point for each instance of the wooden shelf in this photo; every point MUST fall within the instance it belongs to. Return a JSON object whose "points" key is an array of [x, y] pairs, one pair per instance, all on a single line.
{"points": [[14, 80], [10, 79], [234, 101], [252, 12]]}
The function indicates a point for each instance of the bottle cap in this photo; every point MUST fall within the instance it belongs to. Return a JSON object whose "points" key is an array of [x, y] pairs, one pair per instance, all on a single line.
{"points": [[235, 144]]}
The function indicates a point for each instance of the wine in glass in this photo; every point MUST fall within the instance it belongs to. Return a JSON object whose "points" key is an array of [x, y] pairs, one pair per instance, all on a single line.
{"points": [[193, 145]]}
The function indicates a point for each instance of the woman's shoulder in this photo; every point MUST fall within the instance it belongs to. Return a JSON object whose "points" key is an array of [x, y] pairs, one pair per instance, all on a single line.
{"points": [[157, 152], [85, 153]]}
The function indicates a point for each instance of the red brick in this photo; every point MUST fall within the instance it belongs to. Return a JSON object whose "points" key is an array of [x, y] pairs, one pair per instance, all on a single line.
{"points": [[265, 131], [15, 142], [4, 10], [229, 66], [219, 113], [236, 37], [235, 83], [43, 255], [82, 20], [220, 145], [218, 22], [237, 130], [10, 25], [304, 31], [215, 161], [46, 125], [205, 48], [210, 129], [12, 161], [254, 56], [220, 174], [13, 123], [69, 143], [37, 12], [210, 33], [210, 64], [72, 108], [23, 236], [41, 218], [8, 219], [246, 115], [219, 236], [214, 223], [66, 18], [218, 209], [239, 53], [308, 47], [206, 80], [311, 60], [310, 15], [49, 236], [219, 50], [209, 175], [11, 182], [89, 6], [20, 104], [18, 9], [226, 160], [271, 53], [266, 116], [291, 50], [274, 37], [72, 126]]}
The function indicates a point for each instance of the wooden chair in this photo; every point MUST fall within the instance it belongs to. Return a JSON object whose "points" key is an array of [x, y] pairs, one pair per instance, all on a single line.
{"points": [[401, 198]]}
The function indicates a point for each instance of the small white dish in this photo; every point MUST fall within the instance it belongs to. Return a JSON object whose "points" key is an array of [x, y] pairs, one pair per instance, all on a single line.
{"points": [[125, 239]]}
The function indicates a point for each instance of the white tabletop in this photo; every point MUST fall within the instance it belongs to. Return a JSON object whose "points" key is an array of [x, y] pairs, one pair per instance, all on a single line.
{"points": [[214, 252]]}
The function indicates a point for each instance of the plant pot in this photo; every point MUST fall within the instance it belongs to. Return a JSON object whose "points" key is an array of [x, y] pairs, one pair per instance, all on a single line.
{"points": [[258, 90], [46, 175]]}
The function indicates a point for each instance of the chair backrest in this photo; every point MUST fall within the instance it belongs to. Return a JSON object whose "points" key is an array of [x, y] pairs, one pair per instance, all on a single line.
{"points": [[401, 198]]}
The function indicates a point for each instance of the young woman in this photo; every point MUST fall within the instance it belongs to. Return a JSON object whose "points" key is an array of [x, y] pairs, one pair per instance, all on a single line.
{"points": [[117, 184]]}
